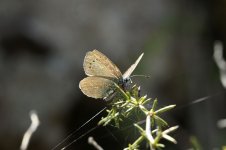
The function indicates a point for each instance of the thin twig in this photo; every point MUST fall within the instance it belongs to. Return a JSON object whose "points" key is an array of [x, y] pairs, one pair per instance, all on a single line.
{"points": [[221, 63], [91, 141], [148, 130], [33, 127]]}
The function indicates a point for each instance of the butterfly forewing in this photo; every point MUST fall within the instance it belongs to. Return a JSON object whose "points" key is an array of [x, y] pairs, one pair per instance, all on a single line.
{"points": [[132, 67], [97, 64], [97, 87]]}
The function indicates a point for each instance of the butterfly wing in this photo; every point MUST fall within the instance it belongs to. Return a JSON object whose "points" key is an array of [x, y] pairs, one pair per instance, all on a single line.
{"points": [[132, 67], [97, 64], [97, 87]]}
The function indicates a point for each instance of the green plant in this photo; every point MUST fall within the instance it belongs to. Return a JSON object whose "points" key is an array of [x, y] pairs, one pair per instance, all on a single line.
{"points": [[129, 102]]}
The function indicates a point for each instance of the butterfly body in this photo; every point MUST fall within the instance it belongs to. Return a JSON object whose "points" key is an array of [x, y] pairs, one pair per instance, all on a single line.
{"points": [[103, 75]]}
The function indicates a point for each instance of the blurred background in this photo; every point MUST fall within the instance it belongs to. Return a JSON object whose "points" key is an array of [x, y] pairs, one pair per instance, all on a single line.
{"points": [[43, 44]]}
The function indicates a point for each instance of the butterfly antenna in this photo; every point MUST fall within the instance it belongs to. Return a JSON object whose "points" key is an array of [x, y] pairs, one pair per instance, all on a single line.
{"points": [[146, 76]]}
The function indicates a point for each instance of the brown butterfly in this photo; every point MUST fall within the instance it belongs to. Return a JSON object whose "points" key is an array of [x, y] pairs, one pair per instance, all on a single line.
{"points": [[103, 74]]}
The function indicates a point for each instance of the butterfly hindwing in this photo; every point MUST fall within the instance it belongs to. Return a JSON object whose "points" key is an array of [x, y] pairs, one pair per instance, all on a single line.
{"points": [[97, 87]]}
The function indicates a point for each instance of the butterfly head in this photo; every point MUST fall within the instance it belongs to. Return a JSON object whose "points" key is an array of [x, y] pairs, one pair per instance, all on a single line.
{"points": [[125, 83]]}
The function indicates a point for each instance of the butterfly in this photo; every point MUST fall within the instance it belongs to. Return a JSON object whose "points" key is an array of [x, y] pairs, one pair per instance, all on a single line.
{"points": [[103, 74]]}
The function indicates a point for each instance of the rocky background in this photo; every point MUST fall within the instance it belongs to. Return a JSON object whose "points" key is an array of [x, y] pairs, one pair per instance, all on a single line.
{"points": [[43, 44]]}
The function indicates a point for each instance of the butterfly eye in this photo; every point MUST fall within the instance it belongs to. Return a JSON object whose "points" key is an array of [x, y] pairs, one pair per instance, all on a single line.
{"points": [[127, 80]]}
